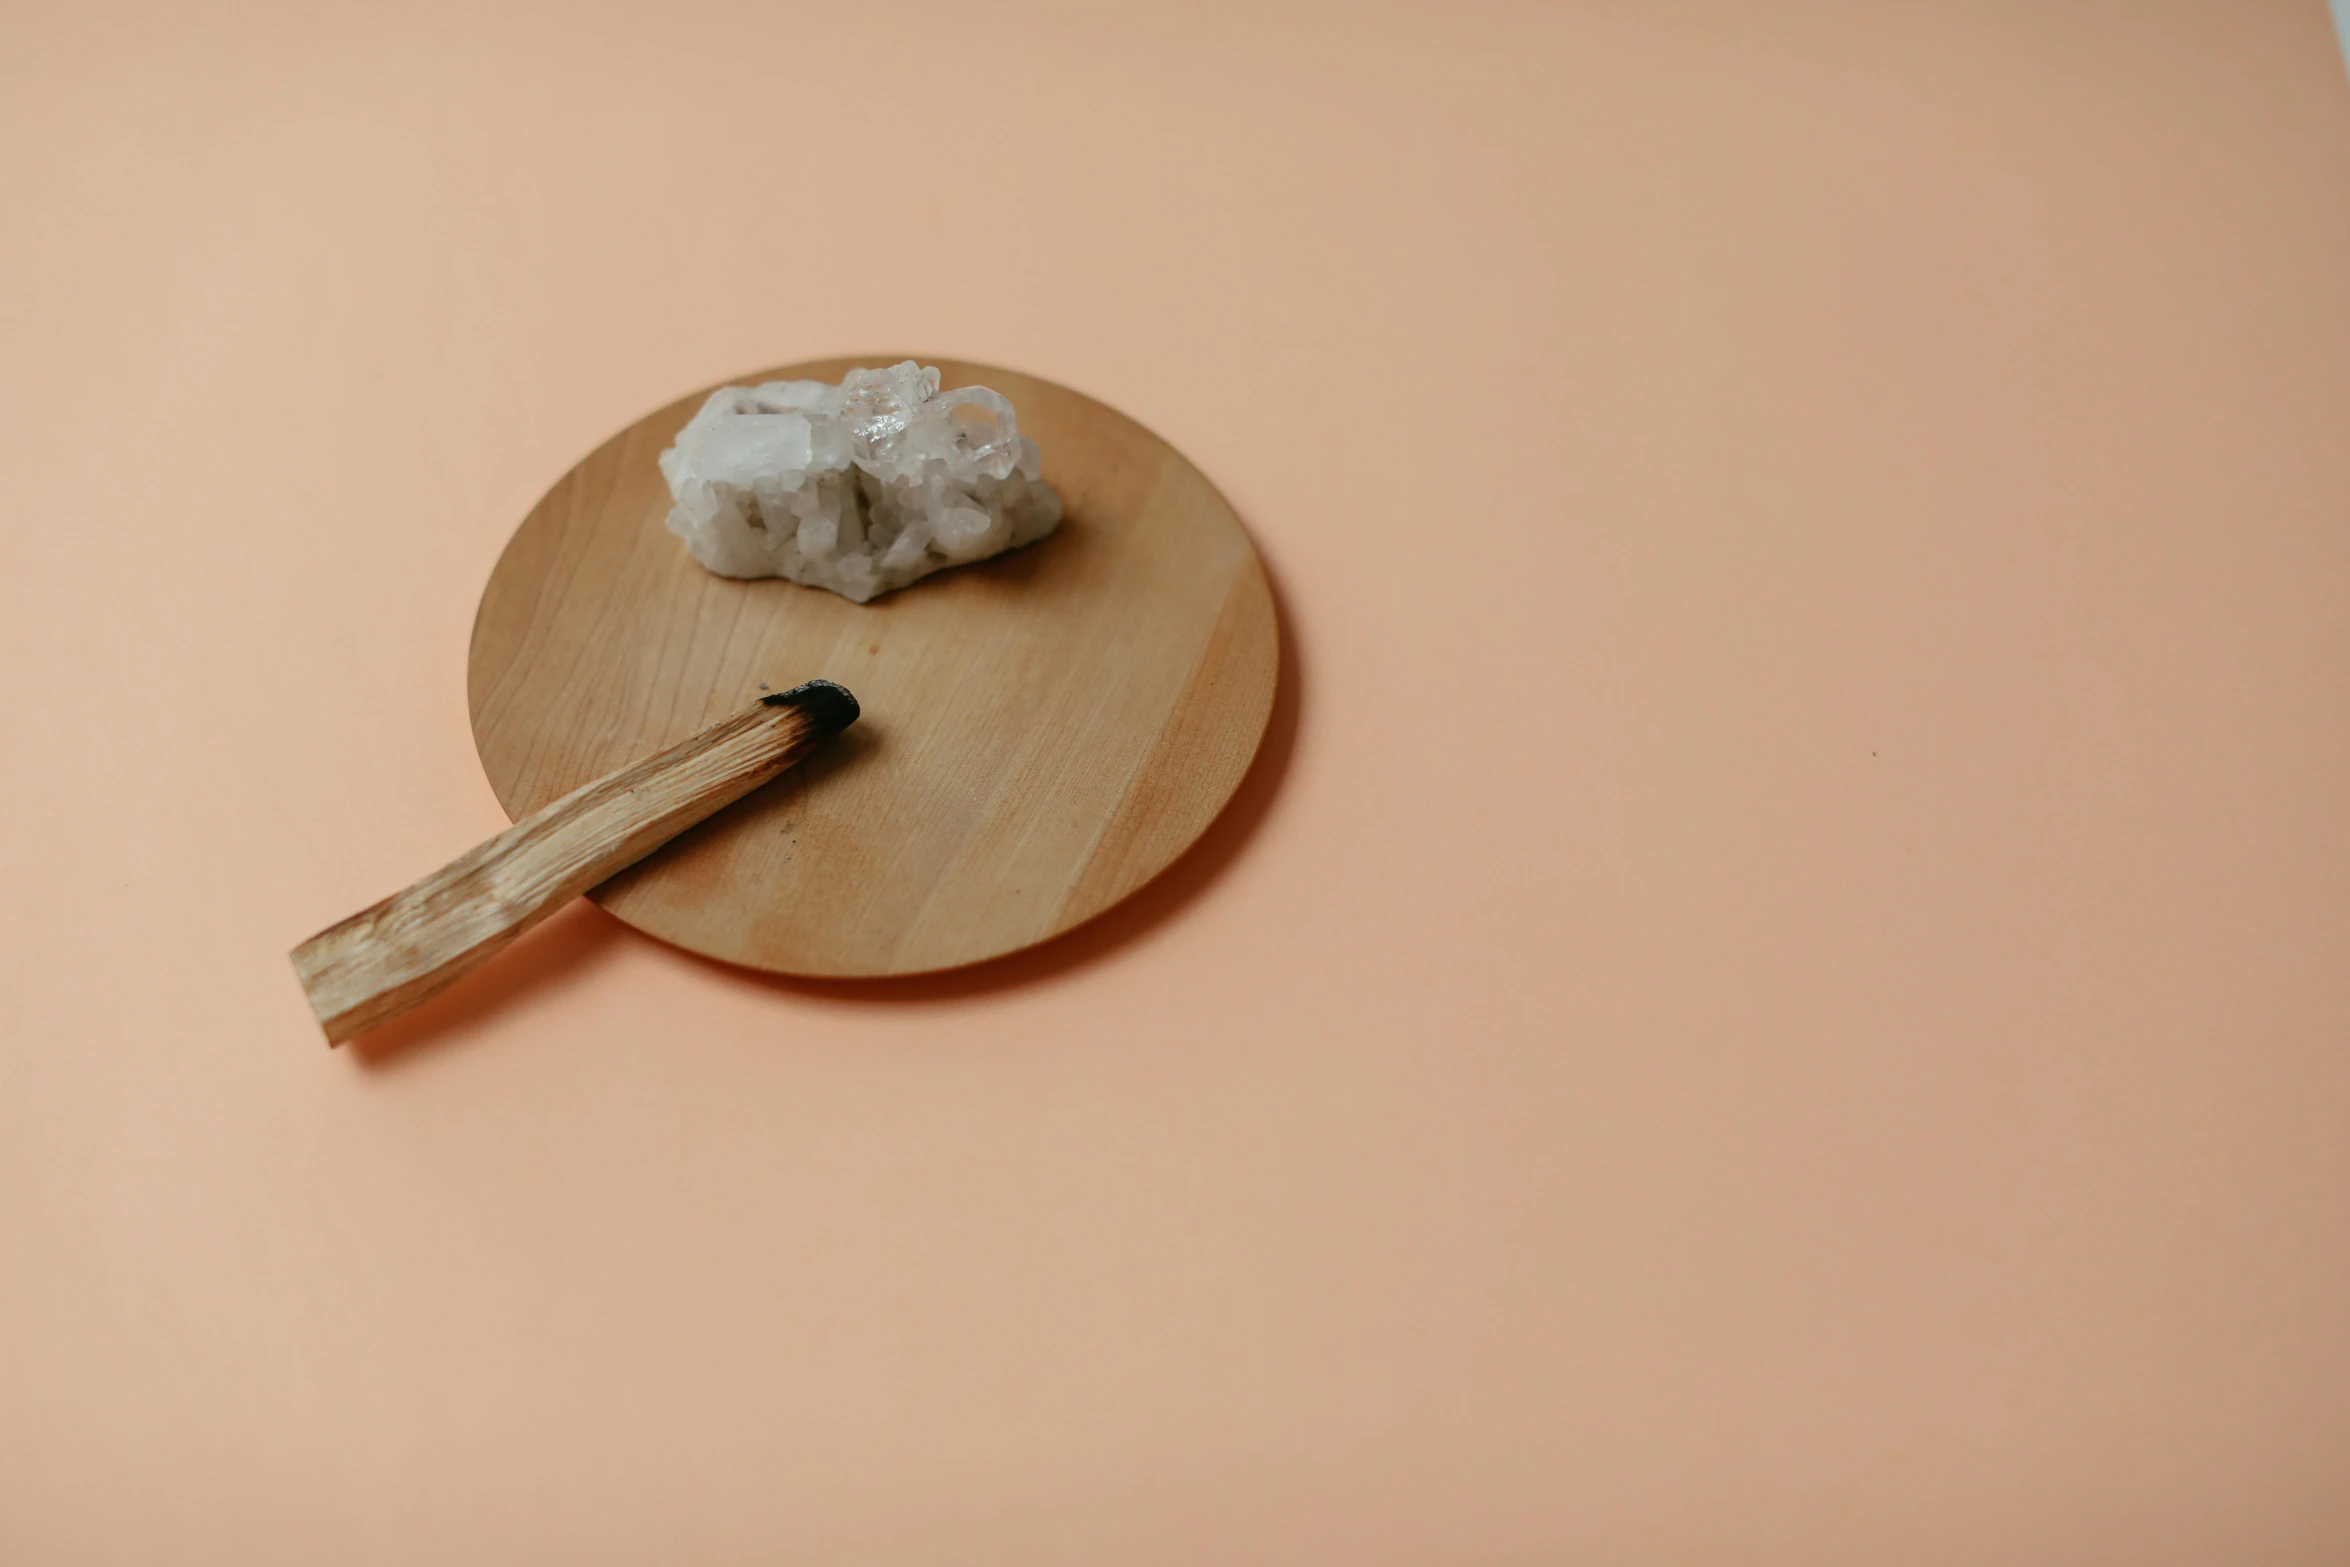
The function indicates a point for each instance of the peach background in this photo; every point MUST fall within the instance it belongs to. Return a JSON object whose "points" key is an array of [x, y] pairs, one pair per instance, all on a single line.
{"points": [[1834, 1048]]}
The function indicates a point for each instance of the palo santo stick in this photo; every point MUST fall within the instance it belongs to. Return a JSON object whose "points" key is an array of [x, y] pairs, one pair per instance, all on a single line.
{"points": [[379, 963]]}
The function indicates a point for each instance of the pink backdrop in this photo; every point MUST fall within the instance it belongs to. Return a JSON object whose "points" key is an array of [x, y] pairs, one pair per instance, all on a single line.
{"points": [[1836, 1050]]}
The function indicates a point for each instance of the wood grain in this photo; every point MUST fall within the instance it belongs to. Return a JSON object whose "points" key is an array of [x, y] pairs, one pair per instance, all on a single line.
{"points": [[386, 959], [1043, 732]]}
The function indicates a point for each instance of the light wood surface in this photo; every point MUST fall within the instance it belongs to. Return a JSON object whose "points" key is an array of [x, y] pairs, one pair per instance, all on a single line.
{"points": [[414, 944], [1043, 732]]}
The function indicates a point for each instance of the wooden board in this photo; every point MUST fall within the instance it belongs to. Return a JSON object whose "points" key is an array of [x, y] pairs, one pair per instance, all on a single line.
{"points": [[1042, 732]]}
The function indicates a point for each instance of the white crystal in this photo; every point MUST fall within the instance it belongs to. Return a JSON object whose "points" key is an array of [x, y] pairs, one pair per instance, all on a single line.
{"points": [[860, 488]]}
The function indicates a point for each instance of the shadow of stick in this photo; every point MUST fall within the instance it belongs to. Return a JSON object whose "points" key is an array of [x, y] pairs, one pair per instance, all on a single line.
{"points": [[566, 944]]}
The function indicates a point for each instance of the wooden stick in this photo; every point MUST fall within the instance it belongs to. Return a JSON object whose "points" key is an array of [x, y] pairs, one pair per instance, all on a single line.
{"points": [[379, 963]]}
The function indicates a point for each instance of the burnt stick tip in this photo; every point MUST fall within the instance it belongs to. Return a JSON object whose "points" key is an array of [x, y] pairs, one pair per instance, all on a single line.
{"points": [[829, 707]]}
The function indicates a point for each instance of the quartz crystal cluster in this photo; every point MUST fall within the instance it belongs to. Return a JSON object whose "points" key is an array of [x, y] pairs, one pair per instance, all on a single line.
{"points": [[861, 487]]}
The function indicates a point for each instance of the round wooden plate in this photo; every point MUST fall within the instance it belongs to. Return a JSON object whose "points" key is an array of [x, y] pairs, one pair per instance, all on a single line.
{"points": [[1043, 732]]}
